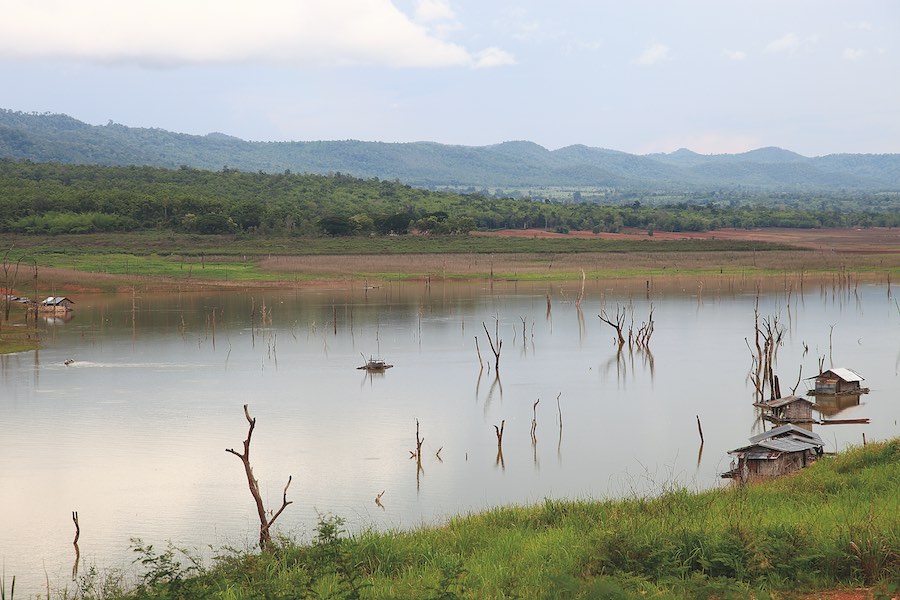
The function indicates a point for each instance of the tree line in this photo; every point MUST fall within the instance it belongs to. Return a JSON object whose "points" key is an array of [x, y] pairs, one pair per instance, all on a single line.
{"points": [[53, 198]]}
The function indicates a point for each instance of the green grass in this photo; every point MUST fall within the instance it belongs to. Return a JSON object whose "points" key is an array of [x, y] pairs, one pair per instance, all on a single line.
{"points": [[18, 339], [833, 525], [144, 243]]}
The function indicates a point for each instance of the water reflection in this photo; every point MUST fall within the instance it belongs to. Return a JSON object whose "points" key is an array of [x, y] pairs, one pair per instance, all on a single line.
{"points": [[132, 432], [835, 404]]}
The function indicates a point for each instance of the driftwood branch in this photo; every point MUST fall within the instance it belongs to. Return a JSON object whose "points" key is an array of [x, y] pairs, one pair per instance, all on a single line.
{"points": [[265, 524]]}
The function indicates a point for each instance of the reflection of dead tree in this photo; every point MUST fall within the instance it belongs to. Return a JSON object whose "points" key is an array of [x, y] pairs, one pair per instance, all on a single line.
{"points": [[494, 349], [418, 455], [265, 524], [524, 338], [480, 361], [559, 413], [581, 293], [490, 395], [75, 543], [499, 431]]}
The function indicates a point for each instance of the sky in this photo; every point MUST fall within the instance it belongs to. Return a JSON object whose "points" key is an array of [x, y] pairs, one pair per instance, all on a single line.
{"points": [[714, 76]]}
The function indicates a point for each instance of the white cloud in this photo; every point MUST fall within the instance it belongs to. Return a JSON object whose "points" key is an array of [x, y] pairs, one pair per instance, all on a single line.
{"points": [[853, 53], [736, 54], [790, 43], [493, 57], [176, 32], [787, 43], [653, 55], [429, 11]]}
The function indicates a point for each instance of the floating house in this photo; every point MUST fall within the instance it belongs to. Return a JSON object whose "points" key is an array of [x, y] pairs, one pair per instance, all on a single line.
{"points": [[56, 305], [375, 365], [790, 409], [779, 451], [838, 381]]}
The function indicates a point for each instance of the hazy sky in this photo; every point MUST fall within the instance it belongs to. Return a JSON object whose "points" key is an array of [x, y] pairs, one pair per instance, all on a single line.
{"points": [[813, 76]]}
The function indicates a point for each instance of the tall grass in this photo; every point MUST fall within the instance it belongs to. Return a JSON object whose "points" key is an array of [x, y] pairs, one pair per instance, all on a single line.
{"points": [[832, 525]]}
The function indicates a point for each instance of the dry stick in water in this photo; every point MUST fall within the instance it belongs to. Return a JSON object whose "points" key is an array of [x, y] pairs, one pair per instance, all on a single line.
{"points": [[75, 543], [499, 431], [265, 536], [494, 349], [478, 351], [534, 422], [700, 429]]}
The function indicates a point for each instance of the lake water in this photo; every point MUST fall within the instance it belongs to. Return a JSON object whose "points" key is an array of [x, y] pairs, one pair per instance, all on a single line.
{"points": [[132, 433]]}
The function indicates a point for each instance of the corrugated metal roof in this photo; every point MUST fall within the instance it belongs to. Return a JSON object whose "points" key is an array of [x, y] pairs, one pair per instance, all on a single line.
{"points": [[843, 373], [788, 429], [788, 444], [54, 300], [847, 374], [778, 402]]}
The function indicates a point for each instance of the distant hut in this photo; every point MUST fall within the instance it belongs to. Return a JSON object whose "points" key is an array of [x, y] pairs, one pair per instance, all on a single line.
{"points": [[838, 381], [779, 451], [55, 305], [790, 409]]}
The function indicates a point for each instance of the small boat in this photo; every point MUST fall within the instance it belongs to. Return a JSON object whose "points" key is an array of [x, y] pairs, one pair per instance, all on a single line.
{"points": [[374, 365]]}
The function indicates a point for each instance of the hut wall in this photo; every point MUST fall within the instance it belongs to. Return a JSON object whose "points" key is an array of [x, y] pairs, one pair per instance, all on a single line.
{"points": [[785, 463], [797, 411], [827, 386]]}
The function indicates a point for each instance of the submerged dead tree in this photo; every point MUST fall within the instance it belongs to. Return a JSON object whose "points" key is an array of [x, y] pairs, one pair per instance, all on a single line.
{"points": [[768, 337], [265, 524], [494, 348], [618, 324]]}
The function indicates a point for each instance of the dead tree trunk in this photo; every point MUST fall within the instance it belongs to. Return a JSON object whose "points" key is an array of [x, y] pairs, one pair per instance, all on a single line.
{"points": [[618, 325], [494, 349], [265, 524]]}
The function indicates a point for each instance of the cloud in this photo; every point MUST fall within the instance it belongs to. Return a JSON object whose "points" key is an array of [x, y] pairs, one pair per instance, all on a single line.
{"points": [[493, 57], [853, 53], [429, 11], [653, 55], [789, 43], [736, 54], [175, 32]]}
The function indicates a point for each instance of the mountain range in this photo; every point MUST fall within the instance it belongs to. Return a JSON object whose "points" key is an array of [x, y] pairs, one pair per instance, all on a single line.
{"points": [[48, 137]]}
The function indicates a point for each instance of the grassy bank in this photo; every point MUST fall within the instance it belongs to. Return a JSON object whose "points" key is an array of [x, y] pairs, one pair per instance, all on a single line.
{"points": [[831, 526], [66, 264]]}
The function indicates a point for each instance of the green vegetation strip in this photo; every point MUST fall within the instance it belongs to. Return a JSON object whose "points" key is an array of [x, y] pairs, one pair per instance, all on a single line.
{"points": [[241, 245], [833, 525]]}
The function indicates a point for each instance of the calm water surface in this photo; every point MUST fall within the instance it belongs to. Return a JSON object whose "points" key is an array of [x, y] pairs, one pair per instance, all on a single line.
{"points": [[133, 433]]}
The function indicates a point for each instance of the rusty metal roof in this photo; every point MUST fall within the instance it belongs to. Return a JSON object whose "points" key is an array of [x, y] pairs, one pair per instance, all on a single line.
{"points": [[778, 402]]}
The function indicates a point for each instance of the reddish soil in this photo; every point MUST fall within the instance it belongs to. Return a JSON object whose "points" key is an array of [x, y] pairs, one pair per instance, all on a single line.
{"points": [[874, 240]]}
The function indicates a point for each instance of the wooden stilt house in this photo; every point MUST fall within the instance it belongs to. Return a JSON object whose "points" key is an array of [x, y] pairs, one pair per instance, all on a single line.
{"points": [[778, 451], [838, 381]]}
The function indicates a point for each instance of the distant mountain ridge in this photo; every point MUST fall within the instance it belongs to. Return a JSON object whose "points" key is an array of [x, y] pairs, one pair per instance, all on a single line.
{"points": [[514, 164]]}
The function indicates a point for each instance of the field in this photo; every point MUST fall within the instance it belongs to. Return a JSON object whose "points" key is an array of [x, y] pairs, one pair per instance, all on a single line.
{"points": [[875, 240], [159, 261]]}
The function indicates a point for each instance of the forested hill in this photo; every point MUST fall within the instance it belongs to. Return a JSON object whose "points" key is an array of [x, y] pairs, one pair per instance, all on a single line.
{"points": [[59, 138]]}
